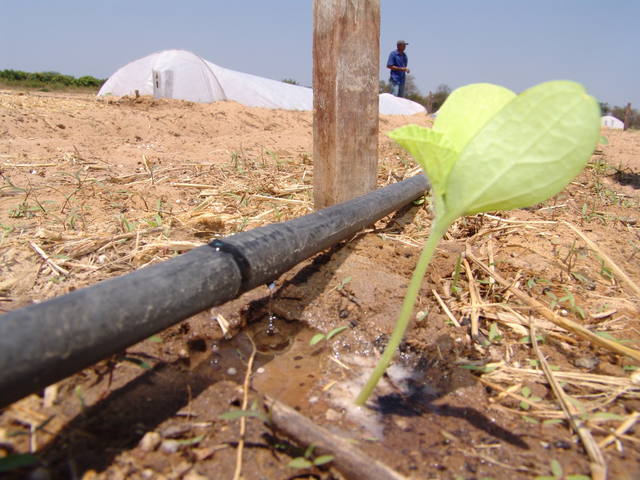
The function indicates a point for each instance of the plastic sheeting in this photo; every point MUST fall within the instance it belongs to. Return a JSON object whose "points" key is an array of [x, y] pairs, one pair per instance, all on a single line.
{"points": [[609, 121], [183, 75]]}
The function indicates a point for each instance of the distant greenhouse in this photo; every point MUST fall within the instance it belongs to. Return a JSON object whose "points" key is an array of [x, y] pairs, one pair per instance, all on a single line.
{"points": [[609, 121], [183, 75]]}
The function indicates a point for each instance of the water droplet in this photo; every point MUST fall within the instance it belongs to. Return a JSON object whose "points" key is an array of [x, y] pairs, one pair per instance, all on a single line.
{"points": [[271, 327], [214, 361]]}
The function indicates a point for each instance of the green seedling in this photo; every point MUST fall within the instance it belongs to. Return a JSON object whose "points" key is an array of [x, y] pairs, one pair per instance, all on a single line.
{"points": [[343, 283], [492, 150], [608, 336], [526, 393], [318, 337], [495, 336], [308, 461], [571, 300], [455, 288], [254, 411], [558, 474]]}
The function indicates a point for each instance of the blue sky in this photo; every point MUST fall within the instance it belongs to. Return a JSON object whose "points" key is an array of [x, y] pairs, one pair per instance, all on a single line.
{"points": [[515, 43]]}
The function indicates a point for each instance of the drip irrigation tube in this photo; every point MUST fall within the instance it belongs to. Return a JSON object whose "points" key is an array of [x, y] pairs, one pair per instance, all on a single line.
{"points": [[46, 342]]}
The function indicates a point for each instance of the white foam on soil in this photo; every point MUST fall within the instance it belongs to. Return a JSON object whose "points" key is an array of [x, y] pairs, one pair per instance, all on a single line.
{"points": [[344, 393]]}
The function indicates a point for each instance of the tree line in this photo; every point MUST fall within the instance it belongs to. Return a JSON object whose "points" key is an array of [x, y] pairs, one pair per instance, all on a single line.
{"points": [[48, 80]]}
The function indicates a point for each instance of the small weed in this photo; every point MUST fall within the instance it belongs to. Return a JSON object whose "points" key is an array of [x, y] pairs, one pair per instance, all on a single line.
{"points": [[455, 288], [137, 362], [238, 161], [5, 230], [25, 210], [558, 474], [526, 393], [536, 363], [568, 301], [243, 224], [253, 411], [608, 336], [155, 221], [495, 336], [605, 271], [489, 367], [308, 461], [80, 396], [318, 337], [126, 225], [343, 283]]}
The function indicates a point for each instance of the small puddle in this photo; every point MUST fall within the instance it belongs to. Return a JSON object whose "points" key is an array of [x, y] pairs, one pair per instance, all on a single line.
{"points": [[289, 369], [227, 359]]}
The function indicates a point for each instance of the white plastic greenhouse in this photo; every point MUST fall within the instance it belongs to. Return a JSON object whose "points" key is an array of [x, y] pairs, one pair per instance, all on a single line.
{"points": [[609, 121], [183, 75]]}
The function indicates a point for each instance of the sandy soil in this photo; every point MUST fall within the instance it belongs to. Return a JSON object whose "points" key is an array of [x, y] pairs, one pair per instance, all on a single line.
{"points": [[103, 187]]}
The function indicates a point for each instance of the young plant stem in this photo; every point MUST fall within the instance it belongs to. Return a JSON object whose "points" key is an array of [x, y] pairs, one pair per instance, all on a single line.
{"points": [[439, 228]]}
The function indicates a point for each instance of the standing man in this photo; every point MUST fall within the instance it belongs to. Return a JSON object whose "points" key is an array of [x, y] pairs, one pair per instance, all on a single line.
{"points": [[397, 63]]}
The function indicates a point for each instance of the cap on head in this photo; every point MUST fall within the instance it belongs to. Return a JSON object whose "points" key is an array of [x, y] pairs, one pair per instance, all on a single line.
{"points": [[402, 42]]}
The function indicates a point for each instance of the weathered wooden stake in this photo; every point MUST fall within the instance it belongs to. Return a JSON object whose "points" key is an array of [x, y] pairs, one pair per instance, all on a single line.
{"points": [[346, 51]]}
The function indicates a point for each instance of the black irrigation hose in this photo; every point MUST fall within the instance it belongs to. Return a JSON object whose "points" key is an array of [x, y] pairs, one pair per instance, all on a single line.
{"points": [[46, 342]]}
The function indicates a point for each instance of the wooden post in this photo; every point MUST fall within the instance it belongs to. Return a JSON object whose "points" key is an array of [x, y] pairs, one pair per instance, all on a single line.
{"points": [[346, 51]]}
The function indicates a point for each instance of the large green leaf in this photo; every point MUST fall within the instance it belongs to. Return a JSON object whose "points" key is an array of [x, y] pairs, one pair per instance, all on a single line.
{"points": [[468, 109], [432, 150], [526, 153]]}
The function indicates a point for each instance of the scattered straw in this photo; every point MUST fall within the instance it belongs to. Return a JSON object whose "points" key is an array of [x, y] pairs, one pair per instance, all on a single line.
{"points": [[57, 269], [245, 402], [622, 429], [446, 309], [475, 300], [598, 465], [607, 260], [565, 323]]}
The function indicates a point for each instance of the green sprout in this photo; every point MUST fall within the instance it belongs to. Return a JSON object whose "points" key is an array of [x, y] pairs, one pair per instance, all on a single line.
{"points": [[308, 460], [492, 150], [318, 337]]}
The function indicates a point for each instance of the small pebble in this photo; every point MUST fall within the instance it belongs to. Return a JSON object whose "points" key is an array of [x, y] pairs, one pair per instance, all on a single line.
{"points": [[587, 362], [401, 423], [635, 377], [231, 371], [150, 441], [562, 444], [170, 446], [332, 415]]}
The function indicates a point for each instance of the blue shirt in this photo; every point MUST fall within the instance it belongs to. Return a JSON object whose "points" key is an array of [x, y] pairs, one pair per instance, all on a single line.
{"points": [[397, 59]]}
